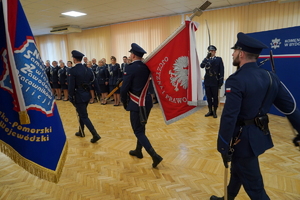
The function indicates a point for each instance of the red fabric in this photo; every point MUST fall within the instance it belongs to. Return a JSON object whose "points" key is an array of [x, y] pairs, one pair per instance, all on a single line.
{"points": [[161, 65]]}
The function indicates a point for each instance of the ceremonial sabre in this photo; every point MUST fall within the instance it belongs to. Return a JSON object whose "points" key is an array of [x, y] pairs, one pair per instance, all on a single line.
{"points": [[114, 90]]}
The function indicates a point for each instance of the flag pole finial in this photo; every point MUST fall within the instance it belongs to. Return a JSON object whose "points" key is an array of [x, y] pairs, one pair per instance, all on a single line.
{"points": [[199, 11]]}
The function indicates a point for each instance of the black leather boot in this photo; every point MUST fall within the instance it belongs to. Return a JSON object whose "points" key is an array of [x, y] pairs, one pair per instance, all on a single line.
{"points": [[138, 151], [215, 112], [210, 112], [213, 197], [155, 157], [96, 136], [80, 133]]}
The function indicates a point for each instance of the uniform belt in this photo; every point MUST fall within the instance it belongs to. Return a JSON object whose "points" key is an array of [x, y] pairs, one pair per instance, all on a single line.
{"points": [[246, 122]]}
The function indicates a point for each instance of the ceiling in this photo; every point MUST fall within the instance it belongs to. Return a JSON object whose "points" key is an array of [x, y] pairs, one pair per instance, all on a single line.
{"points": [[45, 14]]}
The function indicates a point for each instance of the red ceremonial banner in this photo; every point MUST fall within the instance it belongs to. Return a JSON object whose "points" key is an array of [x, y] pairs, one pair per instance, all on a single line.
{"points": [[170, 66]]}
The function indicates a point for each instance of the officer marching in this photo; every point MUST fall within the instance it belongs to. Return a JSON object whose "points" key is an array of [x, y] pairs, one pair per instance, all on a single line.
{"points": [[137, 100], [244, 133], [80, 79]]}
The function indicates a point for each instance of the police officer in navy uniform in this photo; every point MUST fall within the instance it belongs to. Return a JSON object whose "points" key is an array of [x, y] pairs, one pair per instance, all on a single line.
{"points": [[123, 65], [213, 79], [80, 79], [244, 133], [134, 81]]}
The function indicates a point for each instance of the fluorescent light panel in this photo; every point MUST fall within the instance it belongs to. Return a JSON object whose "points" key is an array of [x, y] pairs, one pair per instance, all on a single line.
{"points": [[74, 13]]}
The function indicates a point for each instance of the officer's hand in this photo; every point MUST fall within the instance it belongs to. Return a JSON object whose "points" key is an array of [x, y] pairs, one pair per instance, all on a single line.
{"points": [[226, 158], [208, 55], [296, 140], [220, 85], [125, 105]]}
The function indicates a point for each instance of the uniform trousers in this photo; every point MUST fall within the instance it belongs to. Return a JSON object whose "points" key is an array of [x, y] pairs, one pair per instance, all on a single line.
{"points": [[246, 172], [81, 109], [212, 95], [139, 129]]}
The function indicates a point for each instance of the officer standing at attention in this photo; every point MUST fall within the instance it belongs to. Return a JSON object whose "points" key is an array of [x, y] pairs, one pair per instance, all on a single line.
{"points": [[135, 86], [80, 79], [244, 132], [213, 79]]}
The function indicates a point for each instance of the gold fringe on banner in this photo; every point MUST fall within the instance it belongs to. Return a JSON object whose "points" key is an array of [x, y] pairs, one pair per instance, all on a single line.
{"points": [[32, 167], [24, 117]]}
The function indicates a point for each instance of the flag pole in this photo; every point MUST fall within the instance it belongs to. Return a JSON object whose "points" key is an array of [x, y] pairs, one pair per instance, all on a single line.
{"points": [[19, 99]]}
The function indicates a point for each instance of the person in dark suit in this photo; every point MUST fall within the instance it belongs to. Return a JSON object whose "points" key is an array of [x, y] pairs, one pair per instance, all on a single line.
{"points": [[123, 65], [54, 80], [102, 77], [135, 86], [62, 74], [244, 133], [80, 79], [94, 65], [85, 61], [114, 78], [48, 69], [213, 79]]}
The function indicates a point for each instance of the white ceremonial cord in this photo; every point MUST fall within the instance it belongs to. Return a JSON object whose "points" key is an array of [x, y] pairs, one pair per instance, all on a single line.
{"points": [[295, 105]]}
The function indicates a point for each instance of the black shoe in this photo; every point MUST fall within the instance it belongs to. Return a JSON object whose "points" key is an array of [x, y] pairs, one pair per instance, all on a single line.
{"points": [[136, 153], [96, 136], [156, 160], [79, 134], [214, 112], [210, 113], [213, 197], [155, 157]]}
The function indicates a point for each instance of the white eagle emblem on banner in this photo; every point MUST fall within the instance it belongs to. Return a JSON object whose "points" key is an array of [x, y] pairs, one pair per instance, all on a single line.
{"points": [[179, 74]]}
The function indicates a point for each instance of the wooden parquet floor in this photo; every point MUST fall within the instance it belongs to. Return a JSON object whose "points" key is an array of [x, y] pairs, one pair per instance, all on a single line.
{"points": [[192, 168]]}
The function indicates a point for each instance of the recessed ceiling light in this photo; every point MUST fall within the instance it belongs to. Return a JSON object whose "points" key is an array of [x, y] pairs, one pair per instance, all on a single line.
{"points": [[74, 13]]}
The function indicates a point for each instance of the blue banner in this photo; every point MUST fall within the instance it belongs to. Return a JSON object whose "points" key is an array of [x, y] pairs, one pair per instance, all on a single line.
{"points": [[285, 45], [31, 131]]}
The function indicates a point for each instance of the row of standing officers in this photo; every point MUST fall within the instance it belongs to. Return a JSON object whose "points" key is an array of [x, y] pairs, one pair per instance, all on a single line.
{"points": [[106, 77]]}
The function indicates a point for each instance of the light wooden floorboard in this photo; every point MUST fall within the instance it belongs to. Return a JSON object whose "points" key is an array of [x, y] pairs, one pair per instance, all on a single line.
{"points": [[192, 168]]}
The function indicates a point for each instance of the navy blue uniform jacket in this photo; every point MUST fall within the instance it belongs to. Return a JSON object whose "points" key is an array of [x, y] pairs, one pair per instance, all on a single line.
{"points": [[54, 74], [137, 74], [115, 73], [245, 91], [62, 73], [80, 74], [102, 75], [214, 71]]}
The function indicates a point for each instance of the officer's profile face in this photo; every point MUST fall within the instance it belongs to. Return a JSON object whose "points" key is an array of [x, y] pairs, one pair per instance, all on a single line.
{"points": [[236, 58], [131, 56]]}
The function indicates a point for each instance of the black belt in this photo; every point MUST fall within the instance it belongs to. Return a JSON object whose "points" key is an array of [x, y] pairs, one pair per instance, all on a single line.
{"points": [[246, 122]]}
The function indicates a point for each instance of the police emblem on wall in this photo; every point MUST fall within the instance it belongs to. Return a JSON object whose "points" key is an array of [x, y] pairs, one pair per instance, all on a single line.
{"points": [[179, 73], [275, 43]]}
